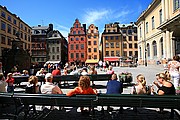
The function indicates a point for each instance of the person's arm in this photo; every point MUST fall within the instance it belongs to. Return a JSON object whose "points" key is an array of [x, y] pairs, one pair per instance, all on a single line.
{"points": [[160, 92], [71, 92], [57, 90]]}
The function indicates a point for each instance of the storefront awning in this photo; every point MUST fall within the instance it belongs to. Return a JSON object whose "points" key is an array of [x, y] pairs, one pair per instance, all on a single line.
{"points": [[111, 58], [92, 61]]}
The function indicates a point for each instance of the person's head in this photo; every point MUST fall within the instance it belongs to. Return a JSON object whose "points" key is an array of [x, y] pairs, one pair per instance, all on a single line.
{"points": [[48, 77], [33, 80], [42, 70], [140, 78], [110, 67], [161, 77], [84, 82], [1, 76], [9, 75], [176, 58], [114, 77], [84, 69], [92, 67]]}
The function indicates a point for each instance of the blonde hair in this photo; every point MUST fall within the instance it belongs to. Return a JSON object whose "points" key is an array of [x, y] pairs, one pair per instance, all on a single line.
{"points": [[141, 79], [33, 80], [164, 76], [84, 82]]}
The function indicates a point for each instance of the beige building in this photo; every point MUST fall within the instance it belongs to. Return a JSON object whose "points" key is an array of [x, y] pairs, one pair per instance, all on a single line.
{"points": [[10, 24], [92, 45], [159, 31], [111, 43]]}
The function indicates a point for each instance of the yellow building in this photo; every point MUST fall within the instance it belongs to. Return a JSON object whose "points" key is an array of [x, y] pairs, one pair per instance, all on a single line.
{"points": [[92, 45], [10, 24], [159, 31]]}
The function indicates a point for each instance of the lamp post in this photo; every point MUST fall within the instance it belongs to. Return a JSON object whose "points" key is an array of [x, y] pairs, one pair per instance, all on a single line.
{"points": [[145, 57]]}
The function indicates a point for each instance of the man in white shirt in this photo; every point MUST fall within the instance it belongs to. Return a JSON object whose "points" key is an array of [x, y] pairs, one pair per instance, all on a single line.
{"points": [[49, 87]]}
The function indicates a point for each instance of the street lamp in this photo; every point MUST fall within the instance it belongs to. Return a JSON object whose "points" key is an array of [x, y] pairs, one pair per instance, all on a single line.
{"points": [[145, 57]]}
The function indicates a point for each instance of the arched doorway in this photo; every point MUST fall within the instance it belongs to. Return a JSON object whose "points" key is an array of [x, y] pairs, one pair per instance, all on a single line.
{"points": [[154, 44], [176, 41]]}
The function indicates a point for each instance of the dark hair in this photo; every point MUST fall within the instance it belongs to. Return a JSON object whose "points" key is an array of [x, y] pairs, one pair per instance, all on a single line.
{"points": [[176, 58]]}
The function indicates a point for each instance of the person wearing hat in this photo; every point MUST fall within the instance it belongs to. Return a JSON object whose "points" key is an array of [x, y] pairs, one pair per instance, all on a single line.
{"points": [[49, 87]]}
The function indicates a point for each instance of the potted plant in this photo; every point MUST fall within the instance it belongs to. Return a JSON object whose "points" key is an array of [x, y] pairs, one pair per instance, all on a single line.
{"points": [[125, 77]]}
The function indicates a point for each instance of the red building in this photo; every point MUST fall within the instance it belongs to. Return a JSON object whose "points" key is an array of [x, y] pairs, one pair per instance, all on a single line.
{"points": [[77, 44]]}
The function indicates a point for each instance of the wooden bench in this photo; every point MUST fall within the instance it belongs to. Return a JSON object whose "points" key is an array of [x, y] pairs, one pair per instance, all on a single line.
{"points": [[149, 101], [64, 78], [55, 100]]}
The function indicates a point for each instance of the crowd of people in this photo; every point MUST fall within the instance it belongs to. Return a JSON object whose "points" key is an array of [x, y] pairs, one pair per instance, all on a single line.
{"points": [[166, 82]]}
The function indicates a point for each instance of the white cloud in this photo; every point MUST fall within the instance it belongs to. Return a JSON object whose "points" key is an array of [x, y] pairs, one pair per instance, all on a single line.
{"points": [[92, 16], [62, 29], [122, 14]]}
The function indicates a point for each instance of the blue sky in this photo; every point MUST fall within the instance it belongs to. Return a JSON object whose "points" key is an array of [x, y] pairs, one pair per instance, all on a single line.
{"points": [[62, 13]]}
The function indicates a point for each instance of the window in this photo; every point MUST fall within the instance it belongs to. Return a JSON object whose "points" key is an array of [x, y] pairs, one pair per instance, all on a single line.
{"points": [[89, 49], [89, 42], [176, 4], [124, 31], [77, 47], [130, 32], [72, 55], [135, 38], [77, 55], [3, 14], [117, 53], [125, 53], [124, 38], [3, 39], [82, 46], [112, 37], [21, 26], [72, 39], [153, 22], [79, 32], [82, 55], [160, 16], [14, 21], [95, 49], [112, 53], [106, 37], [89, 36], [82, 38], [57, 49], [154, 48], [25, 36], [140, 52], [117, 37], [112, 45], [130, 45], [3, 26], [89, 56], [9, 28], [161, 44], [124, 45], [95, 36], [9, 18], [76, 25], [95, 56], [77, 39], [117, 45], [107, 53], [9, 41], [57, 56], [146, 27], [107, 45], [140, 32], [135, 45], [74, 32], [130, 53], [95, 42], [53, 49], [130, 38], [136, 53]]}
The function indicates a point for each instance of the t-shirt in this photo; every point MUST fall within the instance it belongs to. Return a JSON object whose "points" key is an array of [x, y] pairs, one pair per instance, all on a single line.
{"points": [[114, 87], [78, 90], [168, 90]]}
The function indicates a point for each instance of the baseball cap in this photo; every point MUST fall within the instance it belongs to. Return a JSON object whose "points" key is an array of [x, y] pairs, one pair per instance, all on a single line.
{"points": [[48, 75]]}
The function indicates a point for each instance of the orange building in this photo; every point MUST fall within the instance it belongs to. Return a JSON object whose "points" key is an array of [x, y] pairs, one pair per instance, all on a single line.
{"points": [[92, 45], [77, 44]]}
